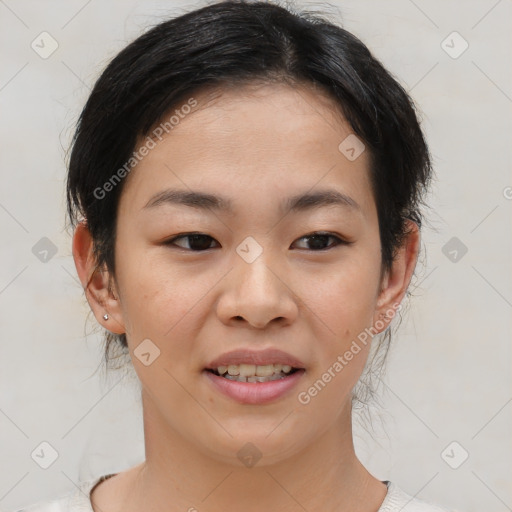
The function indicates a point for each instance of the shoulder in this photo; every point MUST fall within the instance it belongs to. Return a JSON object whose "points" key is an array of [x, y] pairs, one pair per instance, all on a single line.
{"points": [[77, 500], [397, 500]]}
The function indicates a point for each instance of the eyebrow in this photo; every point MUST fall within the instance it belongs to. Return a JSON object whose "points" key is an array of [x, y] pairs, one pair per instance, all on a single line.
{"points": [[297, 203]]}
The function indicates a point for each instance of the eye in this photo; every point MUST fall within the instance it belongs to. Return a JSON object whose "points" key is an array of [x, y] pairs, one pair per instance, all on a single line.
{"points": [[196, 241], [319, 241]]}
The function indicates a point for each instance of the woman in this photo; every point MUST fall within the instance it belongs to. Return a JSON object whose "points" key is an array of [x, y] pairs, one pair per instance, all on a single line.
{"points": [[245, 185]]}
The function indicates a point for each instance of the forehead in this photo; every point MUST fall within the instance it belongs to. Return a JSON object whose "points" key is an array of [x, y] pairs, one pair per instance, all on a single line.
{"points": [[276, 116], [256, 137]]}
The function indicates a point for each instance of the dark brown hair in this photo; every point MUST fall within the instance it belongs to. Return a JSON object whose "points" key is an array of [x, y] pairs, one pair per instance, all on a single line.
{"points": [[239, 42]]}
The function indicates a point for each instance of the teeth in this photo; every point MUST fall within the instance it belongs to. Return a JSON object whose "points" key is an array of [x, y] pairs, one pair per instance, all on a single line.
{"points": [[260, 373], [265, 371], [232, 369], [255, 378], [247, 370]]}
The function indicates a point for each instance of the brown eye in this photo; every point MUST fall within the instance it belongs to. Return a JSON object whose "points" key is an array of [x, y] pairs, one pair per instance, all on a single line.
{"points": [[320, 241], [195, 242]]}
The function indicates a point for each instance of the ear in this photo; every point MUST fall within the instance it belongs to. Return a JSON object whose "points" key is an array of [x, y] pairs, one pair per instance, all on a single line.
{"points": [[396, 281], [99, 286]]}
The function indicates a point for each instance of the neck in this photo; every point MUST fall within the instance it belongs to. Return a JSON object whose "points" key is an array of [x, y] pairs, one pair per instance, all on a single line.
{"points": [[324, 475]]}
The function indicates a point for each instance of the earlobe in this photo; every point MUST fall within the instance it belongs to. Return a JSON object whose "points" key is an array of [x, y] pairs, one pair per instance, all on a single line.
{"points": [[96, 282], [397, 279]]}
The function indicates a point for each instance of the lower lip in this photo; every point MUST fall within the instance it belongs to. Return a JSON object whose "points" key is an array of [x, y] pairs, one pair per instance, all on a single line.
{"points": [[255, 393]]}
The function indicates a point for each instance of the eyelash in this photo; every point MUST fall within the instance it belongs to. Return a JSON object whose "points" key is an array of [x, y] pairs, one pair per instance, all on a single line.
{"points": [[339, 241]]}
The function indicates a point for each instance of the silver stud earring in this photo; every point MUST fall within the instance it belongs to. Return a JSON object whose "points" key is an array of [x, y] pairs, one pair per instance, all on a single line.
{"points": [[105, 316]]}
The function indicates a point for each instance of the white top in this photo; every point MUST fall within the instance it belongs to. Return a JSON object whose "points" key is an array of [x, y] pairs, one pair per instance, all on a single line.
{"points": [[79, 500]]}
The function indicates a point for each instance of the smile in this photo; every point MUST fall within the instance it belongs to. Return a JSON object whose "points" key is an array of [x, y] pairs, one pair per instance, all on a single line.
{"points": [[254, 373], [254, 389]]}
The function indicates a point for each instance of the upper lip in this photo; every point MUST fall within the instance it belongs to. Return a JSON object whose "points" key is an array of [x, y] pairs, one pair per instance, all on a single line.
{"points": [[257, 357]]}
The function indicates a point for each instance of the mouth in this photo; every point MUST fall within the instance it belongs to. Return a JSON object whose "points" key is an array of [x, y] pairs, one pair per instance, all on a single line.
{"points": [[254, 377], [252, 384], [254, 373]]}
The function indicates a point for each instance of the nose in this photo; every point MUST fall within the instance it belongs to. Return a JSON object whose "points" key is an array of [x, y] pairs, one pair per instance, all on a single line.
{"points": [[257, 295]]}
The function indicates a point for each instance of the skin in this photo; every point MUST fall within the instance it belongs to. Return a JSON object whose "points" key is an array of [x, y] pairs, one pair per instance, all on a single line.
{"points": [[255, 146]]}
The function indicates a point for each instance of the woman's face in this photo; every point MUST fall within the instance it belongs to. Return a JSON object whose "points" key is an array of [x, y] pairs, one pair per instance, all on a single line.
{"points": [[268, 168]]}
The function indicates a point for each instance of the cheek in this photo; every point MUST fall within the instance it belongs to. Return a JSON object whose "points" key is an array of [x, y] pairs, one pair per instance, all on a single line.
{"points": [[166, 313], [166, 304], [342, 345], [344, 298], [153, 298], [345, 302]]}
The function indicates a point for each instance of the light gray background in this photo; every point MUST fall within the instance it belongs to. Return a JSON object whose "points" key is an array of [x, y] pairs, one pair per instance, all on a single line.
{"points": [[449, 374]]}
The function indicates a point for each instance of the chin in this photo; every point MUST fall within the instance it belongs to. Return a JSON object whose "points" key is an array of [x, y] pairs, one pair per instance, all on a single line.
{"points": [[264, 443]]}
